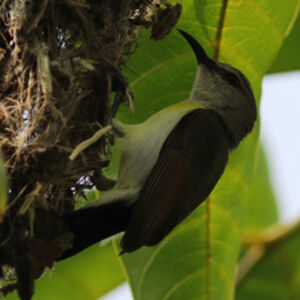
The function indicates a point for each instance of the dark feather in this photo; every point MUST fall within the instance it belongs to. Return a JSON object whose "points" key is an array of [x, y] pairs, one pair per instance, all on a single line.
{"points": [[190, 163], [95, 223]]}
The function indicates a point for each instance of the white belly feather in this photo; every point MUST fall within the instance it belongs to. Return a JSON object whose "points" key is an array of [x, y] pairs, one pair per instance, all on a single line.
{"points": [[140, 147]]}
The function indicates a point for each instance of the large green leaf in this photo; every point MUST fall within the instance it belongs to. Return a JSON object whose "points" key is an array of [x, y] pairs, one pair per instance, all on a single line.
{"points": [[261, 209], [277, 275], [87, 276], [197, 260], [288, 57]]}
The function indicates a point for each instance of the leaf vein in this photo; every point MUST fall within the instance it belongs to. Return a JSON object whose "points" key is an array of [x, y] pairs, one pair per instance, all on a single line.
{"points": [[157, 67], [270, 20], [181, 282], [160, 247]]}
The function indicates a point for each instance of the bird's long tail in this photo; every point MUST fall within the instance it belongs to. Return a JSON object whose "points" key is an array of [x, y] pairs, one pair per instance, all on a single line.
{"points": [[94, 224]]}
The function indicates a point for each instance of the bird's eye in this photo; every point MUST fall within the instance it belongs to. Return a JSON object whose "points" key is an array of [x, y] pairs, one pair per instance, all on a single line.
{"points": [[233, 79]]}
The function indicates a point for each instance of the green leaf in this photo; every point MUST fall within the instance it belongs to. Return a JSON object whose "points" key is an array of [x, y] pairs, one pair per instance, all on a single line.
{"points": [[277, 275], [261, 209], [90, 196], [288, 57], [197, 259], [88, 275]]}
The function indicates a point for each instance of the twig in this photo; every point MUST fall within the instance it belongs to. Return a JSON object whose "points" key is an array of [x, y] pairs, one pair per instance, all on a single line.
{"points": [[249, 260], [261, 244], [273, 234], [37, 19], [82, 146]]}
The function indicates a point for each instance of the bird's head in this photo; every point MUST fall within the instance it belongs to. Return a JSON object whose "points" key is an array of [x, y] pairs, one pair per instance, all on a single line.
{"points": [[224, 89]]}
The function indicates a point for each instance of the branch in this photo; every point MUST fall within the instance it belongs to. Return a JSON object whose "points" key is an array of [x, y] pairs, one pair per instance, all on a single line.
{"points": [[82, 146]]}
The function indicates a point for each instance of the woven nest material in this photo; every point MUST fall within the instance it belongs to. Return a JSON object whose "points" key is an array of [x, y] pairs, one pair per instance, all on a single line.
{"points": [[61, 66]]}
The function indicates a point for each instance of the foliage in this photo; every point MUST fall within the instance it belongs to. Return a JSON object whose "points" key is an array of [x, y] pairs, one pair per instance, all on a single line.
{"points": [[198, 259], [288, 57]]}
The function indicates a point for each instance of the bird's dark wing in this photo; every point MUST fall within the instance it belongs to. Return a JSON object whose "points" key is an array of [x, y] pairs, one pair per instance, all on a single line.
{"points": [[190, 163]]}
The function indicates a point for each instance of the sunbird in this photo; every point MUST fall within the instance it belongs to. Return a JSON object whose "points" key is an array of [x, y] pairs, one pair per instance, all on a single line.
{"points": [[171, 162]]}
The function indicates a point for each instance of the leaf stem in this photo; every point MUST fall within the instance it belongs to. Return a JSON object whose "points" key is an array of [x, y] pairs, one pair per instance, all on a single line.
{"points": [[220, 29], [261, 244]]}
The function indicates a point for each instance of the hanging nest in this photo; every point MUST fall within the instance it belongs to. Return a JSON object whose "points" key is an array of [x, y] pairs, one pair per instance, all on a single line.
{"points": [[61, 67]]}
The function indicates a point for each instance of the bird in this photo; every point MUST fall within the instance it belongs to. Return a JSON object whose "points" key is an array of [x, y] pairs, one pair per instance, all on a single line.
{"points": [[171, 162]]}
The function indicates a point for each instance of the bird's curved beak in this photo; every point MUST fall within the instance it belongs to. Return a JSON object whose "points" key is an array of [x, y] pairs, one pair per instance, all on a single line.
{"points": [[200, 54]]}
